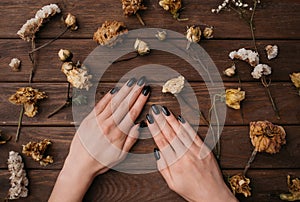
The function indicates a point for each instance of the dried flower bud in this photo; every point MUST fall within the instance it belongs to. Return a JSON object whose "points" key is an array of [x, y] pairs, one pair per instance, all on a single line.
{"points": [[234, 97], [15, 64], [130, 7], [246, 55], [240, 184], [193, 34], [173, 6], [230, 71], [161, 35], [295, 77], [272, 51], [109, 33], [28, 97], [141, 47], [208, 32], [71, 22], [266, 137], [294, 189], [65, 55], [174, 85], [260, 70]]}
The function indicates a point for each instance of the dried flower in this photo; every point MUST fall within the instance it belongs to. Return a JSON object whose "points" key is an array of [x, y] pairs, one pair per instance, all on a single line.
{"points": [[36, 150], [28, 97], [208, 32], [15, 64], [77, 75], [65, 55], [193, 34], [130, 7], [295, 77], [267, 137], [246, 55], [225, 4], [234, 97], [173, 6], [109, 33], [71, 22], [260, 70], [240, 184], [294, 189], [29, 29], [2, 139], [141, 47], [161, 35], [18, 179], [230, 71], [174, 85], [272, 51]]}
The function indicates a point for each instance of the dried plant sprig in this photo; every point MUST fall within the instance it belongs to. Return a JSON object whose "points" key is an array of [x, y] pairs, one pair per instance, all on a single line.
{"points": [[294, 189], [240, 184], [267, 84], [295, 78], [131, 7], [174, 7]]}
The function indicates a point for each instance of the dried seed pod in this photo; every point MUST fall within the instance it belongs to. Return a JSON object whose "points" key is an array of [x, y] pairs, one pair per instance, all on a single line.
{"points": [[234, 97], [295, 77], [15, 64], [193, 34], [230, 71], [249, 56], [161, 35], [141, 47], [71, 22], [65, 55], [267, 137], [260, 70], [208, 32], [272, 51], [240, 184], [294, 189], [109, 33], [130, 7], [174, 85]]}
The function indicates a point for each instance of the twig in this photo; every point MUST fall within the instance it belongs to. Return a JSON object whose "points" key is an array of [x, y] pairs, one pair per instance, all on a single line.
{"points": [[251, 25], [240, 86], [266, 85], [140, 19], [251, 159], [19, 123], [31, 56], [126, 59]]}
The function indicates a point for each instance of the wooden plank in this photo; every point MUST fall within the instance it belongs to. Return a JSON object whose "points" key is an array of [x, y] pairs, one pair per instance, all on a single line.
{"points": [[283, 23], [48, 69], [114, 186]]}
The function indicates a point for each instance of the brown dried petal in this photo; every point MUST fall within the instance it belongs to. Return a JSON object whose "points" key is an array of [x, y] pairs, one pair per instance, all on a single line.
{"points": [[240, 184], [130, 7], [294, 189], [295, 77], [234, 97]]}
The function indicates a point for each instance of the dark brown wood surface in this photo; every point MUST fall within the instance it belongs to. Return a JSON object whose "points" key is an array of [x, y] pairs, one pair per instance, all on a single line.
{"points": [[277, 22]]}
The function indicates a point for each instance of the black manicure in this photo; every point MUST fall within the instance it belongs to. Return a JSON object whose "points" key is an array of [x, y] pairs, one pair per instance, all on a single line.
{"points": [[150, 119], [143, 124], [181, 119], [165, 110], [146, 90], [156, 154], [131, 82], [114, 90], [155, 109], [141, 81]]}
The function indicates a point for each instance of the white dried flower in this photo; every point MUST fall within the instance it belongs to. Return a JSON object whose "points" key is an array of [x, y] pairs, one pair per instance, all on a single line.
{"points": [[28, 30], [230, 71], [261, 69], [225, 4], [249, 56], [141, 47], [71, 22], [193, 34], [65, 55], [15, 64], [174, 85], [18, 179], [272, 51], [161, 35]]}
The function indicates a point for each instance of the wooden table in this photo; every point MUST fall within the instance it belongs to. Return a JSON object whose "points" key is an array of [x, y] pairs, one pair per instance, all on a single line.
{"points": [[277, 22]]}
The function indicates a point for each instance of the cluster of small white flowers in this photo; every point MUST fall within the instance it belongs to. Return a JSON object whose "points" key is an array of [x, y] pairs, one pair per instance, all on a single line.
{"points": [[28, 30], [272, 51], [261, 69], [18, 179], [236, 3], [249, 56]]}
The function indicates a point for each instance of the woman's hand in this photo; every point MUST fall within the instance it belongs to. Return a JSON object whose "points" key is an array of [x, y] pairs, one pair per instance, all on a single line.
{"points": [[185, 162], [103, 139]]}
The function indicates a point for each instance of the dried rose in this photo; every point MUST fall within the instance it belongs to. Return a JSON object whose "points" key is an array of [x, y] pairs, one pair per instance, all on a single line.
{"points": [[15, 64], [246, 55], [208, 32], [28, 97], [272, 51], [173, 6], [130, 7], [65, 55], [294, 189], [234, 97], [240, 184], [174, 85], [295, 77], [161, 35], [267, 137], [141, 47], [193, 34], [71, 22], [230, 71], [109, 33]]}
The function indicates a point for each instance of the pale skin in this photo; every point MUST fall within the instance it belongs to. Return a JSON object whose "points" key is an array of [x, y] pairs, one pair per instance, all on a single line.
{"points": [[195, 177]]}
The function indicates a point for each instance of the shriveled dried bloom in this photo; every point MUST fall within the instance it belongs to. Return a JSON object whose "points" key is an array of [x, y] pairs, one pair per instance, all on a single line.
{"points": [[77, 75], [29, 29], [295, 77], [240, 185], [173, 6], [267, 137], [161, 35], [234, 97], [2, 139], [15, 64], [193, 34], [28, 97], [272, 51], [208, 32], [260, 70], [71, 22], [294, 189], [109, 33], [36, 150], [18, 179], [174, 85], [130, 7], [65, 55], [141, 47], [246, 55], [230, 71]]}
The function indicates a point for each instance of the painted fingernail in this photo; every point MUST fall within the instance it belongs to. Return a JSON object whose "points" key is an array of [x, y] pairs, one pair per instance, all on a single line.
{"points": [[156, 154], [165, 110], [114, 90], [150, 119], [141, 81], [143, 124], [131, 82], [155, 109], [146, 90], [181, 119]]}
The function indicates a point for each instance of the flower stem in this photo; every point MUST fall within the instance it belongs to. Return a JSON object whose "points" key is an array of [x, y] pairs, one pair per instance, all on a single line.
{"points": [[140, 19], [126, 59], [266, 85], [252, 26], [251, 159], [19, 123], [31, 56]]}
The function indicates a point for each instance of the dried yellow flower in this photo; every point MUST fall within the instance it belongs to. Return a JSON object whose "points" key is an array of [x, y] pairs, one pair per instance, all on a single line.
{"points": [[234, 97], [173, 6], [267, 137], [130, 7], [240, 184], [28, 97], [71, 22], [208, 32], [174, 85], [109, 33], [36, 150], [193, 34], [230, 71], [295, 77], [294, 189], [65, 55], [15, 64], [141, 47]]}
